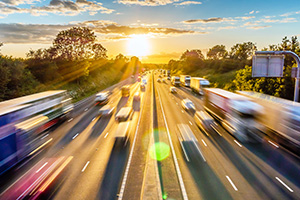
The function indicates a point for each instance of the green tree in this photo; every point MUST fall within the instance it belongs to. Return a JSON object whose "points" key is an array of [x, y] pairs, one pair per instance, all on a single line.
{"points": [[242, 51], [193, 54], [217, 52], [77, 43]]}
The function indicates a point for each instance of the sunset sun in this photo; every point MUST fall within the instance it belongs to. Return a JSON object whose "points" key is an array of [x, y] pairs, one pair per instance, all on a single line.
{"points": [[138, 45]]}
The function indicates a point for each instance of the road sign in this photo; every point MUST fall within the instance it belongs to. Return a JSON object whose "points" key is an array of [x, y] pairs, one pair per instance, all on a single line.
{"points": [[267, 65]]}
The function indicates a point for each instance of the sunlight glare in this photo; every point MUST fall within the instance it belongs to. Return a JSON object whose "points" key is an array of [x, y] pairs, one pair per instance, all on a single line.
{"points": [[138, 45]]}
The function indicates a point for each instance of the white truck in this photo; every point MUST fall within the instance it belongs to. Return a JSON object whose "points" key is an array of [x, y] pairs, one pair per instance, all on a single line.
{"points": [[185, 80], [198, 84], [280, 117], [235, 112], [175, 80]]}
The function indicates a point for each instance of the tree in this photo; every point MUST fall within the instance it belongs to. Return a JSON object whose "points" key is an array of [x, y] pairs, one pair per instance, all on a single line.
{"points": [[242, 51], [217, 52], [77, 43], [194, 54]]}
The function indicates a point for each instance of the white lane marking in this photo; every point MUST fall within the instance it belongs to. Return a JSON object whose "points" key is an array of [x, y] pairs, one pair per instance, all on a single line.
{"points": [[93, 119], [70, 119], [238, 143], [199, 151], [204, 143], [121, 193], [106, 135], [183, 190], [190, 123], [186, 156], [44, 136], [37, 180], [88, 162], [275, 145], [232, 184], [75, 136], [86, 109], [37, 171], [285, 185], [213, 127], [40, 147]]}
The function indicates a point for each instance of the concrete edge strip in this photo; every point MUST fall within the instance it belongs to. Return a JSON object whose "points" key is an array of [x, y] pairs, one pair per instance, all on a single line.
{"points": [[183, 190]]}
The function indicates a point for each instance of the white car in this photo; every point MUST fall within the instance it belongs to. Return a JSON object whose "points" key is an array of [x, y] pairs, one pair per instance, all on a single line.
{"points": [[102, 97], [106, 110], [187, 104], [136, 96], [173, 90], [144, 81]]}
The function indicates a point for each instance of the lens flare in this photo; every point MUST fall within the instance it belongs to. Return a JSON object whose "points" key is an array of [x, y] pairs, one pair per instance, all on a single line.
{"points": [[159, 151]]}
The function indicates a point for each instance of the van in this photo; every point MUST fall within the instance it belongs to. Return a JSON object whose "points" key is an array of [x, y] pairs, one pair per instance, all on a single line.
{"points": [[124, 114]]}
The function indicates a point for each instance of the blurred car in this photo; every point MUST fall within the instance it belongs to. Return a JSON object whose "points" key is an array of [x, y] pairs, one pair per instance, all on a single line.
{"points": [[132, 76], [144, 81], [187, 104], [173, 90], [159, 76], [168, 78], [136, 96], [124, 114], [139, 79], [164, 80], [142, 86], [158, 80], [205, 122], [102, 97], [106, 110]]}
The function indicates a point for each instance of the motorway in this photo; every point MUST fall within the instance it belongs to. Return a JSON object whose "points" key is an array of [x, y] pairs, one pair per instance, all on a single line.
{"points": [[153, 164]]}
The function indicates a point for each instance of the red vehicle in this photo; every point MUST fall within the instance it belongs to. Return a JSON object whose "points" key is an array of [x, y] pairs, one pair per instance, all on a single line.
{"points": [[39, 181]]}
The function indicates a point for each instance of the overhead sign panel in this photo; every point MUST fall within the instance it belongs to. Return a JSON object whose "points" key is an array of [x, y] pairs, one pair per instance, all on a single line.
{"points": [[267, 65]]}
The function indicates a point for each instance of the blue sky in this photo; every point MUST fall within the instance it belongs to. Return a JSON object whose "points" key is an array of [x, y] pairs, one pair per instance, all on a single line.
{"points": [[172, 26]]}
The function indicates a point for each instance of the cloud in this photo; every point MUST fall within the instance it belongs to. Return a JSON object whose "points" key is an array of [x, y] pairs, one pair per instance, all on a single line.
{"points": [[147, 2], [245, 17], [209, 20], [227, 27], [290, 13], [250, 24], [258, 27], [184, 3], [252, 12], [106, 30], [61, 7], [283, 20], [18, 2]]}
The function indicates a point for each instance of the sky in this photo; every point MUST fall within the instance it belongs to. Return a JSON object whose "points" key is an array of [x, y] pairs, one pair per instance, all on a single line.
{"points": [[154, 30]]}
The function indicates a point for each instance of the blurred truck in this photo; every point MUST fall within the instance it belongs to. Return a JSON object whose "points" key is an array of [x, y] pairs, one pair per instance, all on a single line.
{"points": [[236, 113], [185, 80], [280, 117], [24, 121], [122, 134], [125, 90], [198, 84], [175, 80]]}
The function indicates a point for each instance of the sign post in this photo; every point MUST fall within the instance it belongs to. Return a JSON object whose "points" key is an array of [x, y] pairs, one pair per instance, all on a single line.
{"points": [[270, 64]]}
